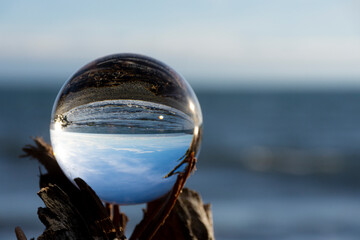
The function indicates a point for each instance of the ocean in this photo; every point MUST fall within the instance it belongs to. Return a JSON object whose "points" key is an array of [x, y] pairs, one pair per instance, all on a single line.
{"points": [[273, 164]]}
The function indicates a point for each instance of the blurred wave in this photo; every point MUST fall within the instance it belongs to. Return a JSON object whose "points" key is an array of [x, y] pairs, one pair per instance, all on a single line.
{"points": [[126, 116], [278, 164]]}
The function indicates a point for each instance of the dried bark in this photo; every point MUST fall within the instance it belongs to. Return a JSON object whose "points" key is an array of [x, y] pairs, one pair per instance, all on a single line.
{"points": [[78, 213], [189, 219], [20, 235], [158, 210]]}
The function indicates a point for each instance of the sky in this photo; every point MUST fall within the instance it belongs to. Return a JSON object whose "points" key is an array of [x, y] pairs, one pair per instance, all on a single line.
{"points": [[212, 43]]}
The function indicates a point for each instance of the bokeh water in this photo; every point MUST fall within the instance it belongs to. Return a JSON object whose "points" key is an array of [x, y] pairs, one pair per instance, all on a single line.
{"points": [[274, 165]]}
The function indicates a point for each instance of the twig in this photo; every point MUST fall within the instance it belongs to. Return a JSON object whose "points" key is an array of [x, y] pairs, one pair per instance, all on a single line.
{"points": [[20, 235], [158, 210]]}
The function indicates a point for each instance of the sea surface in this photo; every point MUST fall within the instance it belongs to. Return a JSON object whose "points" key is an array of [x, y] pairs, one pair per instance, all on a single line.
{"points": [[273, 164]]}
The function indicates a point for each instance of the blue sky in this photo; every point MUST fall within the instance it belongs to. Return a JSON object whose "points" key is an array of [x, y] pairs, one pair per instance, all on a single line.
{"points": [[212, 43], [142, 161]]}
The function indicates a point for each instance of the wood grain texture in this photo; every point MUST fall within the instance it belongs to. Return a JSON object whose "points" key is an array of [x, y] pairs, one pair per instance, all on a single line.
{"points": [[76, 212]]}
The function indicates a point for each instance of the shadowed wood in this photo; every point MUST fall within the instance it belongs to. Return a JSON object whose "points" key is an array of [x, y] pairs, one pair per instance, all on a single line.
{"points": [[189, 219], [158, 210], [20, 235], [81, 198], [76, 212]]}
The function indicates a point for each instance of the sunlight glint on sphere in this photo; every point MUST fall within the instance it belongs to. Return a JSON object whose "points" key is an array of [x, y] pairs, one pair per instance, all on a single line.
{"points": [[122, 123]]}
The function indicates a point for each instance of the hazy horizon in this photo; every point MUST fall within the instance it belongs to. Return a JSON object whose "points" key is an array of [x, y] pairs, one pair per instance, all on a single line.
{"points": [[214, 44], [220, 84]]}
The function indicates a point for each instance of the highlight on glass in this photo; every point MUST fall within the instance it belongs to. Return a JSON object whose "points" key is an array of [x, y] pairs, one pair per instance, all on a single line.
{"points": [[122, 123]]}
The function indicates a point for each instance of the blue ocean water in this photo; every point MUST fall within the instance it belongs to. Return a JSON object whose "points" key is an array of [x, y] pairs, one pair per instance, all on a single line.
{"points": [[274, 164], [127, 117]]}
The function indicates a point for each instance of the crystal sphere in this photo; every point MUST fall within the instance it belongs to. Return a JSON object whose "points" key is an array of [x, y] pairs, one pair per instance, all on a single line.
{"points": [[122, 123]]}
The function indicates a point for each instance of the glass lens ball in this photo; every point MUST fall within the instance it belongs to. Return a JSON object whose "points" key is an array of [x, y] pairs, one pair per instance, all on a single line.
{"points": [[122, 123]]}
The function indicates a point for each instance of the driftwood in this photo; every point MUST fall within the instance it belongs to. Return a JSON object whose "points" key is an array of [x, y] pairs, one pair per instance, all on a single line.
{"points": [[78, 213]]}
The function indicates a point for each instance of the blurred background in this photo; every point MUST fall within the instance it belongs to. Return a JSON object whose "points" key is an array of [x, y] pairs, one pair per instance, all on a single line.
{"points": [[279, 86]]}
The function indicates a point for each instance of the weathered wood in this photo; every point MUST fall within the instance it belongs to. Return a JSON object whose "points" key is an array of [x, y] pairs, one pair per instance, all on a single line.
{"points": [[81, 198], [189, 219], [77, 212], [20, 235], [43, 152], [65, 219], [158, 210], [60, 217]]}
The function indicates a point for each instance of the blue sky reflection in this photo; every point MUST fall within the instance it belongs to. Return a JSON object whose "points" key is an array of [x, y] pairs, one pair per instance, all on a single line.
{"points": [[119, 167]]}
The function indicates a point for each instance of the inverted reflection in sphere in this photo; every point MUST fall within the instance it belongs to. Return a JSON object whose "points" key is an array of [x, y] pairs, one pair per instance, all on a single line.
{"points": [[122, 123]]}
